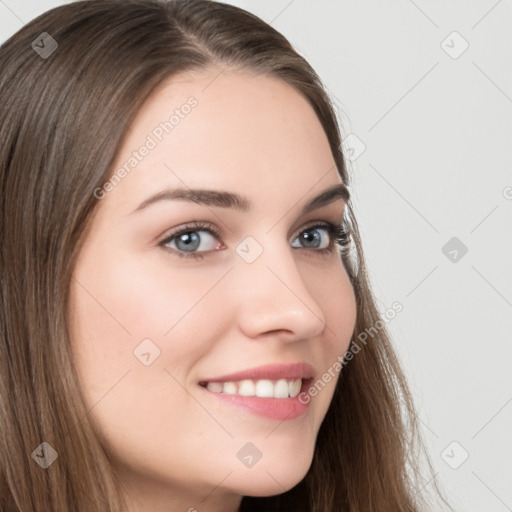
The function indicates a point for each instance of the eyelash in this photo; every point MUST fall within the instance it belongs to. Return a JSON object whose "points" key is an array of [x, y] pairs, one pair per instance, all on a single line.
{"points": [[339, 237]]}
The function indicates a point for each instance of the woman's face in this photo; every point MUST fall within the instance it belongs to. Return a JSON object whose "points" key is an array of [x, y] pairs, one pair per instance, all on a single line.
{"points": [[161, 323]]}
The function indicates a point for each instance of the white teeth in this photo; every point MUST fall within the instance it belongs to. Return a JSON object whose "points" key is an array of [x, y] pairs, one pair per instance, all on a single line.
{"points": [[229, 388], [216, 387], [246, 388], [264, 388], [294, 387], [281, 389]]}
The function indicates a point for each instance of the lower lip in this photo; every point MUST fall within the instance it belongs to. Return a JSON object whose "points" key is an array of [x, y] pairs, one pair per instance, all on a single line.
{"points": [[272, 408]]}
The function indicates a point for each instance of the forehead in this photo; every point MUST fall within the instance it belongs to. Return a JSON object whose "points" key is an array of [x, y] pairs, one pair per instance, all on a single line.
{"points": [[236, 130]]}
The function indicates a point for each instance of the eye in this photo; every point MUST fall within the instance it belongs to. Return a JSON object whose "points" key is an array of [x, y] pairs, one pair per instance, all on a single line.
{"points": [[335, 236], [187, 242], [313, 238]]}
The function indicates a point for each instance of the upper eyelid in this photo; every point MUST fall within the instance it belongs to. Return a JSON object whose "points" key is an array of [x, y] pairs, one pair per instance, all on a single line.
{"points": [[217, 232], [329, 212]]}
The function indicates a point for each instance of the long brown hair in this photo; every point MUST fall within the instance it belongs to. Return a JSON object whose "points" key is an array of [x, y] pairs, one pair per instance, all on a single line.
{"points": [[64, 115]]}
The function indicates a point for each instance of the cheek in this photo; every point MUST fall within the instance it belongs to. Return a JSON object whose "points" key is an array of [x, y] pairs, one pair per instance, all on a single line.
{"points": [[133, 297], [116, 307], [338, 303], [140, 411], [336, 298]]}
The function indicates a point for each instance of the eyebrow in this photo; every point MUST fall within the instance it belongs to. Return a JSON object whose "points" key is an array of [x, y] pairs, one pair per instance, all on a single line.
{"points": [[223, 199]]}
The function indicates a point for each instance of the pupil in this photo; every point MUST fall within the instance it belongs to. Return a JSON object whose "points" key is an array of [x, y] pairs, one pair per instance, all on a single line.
{"points": [[315, 238], [191, 241]]}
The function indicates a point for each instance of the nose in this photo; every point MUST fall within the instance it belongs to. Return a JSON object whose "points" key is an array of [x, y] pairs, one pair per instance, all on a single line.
{"points": [[273, 298]]}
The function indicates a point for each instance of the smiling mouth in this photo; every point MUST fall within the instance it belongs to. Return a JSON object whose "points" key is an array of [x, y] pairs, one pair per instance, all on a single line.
{"points": [[261, 388]]}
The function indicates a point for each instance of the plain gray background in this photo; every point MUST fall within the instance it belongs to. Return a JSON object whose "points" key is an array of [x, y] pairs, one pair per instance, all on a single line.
{"points": [[424, 97]]}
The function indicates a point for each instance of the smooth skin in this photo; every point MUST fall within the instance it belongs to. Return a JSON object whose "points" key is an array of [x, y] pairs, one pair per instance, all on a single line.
{"points": [[174, 444]]}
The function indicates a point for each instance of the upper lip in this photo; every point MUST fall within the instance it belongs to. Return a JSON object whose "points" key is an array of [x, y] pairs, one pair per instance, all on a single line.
{"points": [[270, 371]]}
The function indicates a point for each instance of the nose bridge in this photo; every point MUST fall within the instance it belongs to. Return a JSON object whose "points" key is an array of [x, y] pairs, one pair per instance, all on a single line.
{"points": [[273, 294]]}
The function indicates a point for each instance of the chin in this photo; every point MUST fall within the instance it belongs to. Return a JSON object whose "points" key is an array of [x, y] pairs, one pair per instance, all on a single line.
{"points": [[278, 474]]}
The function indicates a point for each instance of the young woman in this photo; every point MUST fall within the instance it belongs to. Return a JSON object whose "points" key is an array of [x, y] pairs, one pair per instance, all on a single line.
{"points": [[187, 323]]}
